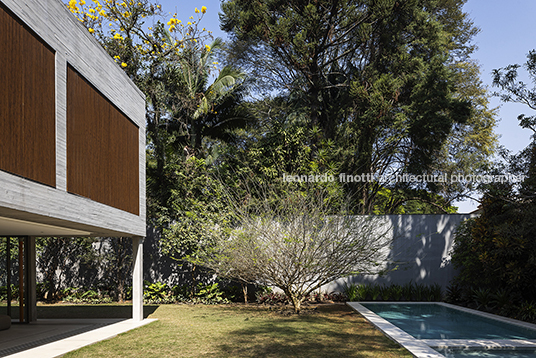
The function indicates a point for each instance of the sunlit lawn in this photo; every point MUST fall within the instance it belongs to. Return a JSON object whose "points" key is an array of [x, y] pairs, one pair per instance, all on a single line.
{"points": [[247, 331]]}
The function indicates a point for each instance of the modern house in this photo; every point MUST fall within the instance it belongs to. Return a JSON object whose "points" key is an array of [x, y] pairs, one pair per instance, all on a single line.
{"points": [[72, 138]]}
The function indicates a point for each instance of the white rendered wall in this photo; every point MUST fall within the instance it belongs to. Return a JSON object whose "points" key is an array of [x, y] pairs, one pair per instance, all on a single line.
{"points": [[73, 44], [420, 252]]}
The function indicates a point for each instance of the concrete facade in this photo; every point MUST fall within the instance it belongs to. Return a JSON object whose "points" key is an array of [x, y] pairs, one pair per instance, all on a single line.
{"points": [[40, 209], [29, 208]]}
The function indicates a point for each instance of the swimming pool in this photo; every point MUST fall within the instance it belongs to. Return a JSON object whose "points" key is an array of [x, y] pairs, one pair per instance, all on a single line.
{"points": [[433, 321], [444, 330]]}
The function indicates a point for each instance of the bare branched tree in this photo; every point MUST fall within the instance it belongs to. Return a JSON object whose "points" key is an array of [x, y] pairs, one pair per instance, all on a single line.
{"points": [[296, 242]]}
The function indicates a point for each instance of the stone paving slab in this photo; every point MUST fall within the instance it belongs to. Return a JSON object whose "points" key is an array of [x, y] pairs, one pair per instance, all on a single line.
{"points": [[55, 337]]}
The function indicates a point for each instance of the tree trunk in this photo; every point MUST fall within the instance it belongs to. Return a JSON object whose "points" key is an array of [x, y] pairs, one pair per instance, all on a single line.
{"points": [[245, 291], [192, 292], [296, 302]]}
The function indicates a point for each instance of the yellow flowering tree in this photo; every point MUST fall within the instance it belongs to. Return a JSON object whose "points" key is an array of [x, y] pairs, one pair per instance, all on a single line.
{"points": [[135, 33]]}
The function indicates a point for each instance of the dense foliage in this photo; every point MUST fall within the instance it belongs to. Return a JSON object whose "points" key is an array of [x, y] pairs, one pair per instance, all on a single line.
{"points": [[375, 88], [384, 88], [496, 252]]}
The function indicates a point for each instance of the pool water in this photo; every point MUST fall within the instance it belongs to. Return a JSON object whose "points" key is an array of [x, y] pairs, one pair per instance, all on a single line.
{"points": [[500, 353], [432, 321]]}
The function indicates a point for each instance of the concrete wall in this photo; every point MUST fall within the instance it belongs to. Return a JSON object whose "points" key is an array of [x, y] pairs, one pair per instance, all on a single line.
{"points": [[420, 251], [53, 207]]}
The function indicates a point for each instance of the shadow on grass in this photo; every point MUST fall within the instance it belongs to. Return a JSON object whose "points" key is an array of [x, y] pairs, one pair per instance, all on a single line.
{"points": [[83, 311], [334, 331]]}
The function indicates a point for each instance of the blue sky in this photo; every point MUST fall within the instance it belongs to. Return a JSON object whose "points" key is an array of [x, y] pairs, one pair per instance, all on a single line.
{"points": [[507, 34]]}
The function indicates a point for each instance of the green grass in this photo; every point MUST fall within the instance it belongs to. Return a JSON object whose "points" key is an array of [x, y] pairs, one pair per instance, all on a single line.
{"points": [[244, 331]]}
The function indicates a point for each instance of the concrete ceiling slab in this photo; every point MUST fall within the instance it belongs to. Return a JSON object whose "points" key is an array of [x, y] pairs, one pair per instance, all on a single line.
{"points": [[15, 227]]}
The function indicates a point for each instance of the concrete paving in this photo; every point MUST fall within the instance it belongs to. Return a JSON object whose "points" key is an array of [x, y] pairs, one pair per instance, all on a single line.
{"points": [[47, 338]]}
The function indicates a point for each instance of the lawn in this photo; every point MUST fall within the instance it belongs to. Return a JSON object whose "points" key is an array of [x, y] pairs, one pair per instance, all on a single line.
{"points": [[246, 331]]}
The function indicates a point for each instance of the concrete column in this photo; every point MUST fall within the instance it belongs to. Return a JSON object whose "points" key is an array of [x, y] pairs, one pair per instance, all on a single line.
{"points": [[137, 278], [31, 280]]}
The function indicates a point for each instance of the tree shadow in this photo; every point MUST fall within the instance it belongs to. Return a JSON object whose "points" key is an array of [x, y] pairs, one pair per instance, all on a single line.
{"points": [[328, 333]]}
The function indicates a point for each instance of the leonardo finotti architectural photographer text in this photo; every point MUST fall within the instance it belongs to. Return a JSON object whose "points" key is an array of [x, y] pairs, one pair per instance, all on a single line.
{"points": [[404, 178]]}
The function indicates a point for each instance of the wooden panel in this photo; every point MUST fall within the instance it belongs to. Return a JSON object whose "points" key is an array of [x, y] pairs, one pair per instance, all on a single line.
{"points": [[102, 148], [27, 102]]}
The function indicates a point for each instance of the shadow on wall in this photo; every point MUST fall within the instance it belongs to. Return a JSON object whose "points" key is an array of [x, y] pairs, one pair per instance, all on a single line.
{"points": [[420, 252], [158, 267]]}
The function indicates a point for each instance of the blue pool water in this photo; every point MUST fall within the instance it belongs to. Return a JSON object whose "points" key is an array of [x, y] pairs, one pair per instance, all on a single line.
{"points": [[433, 321]]}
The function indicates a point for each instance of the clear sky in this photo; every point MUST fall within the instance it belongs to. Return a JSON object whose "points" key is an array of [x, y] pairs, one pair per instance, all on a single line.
{"points": [[507, 34]]}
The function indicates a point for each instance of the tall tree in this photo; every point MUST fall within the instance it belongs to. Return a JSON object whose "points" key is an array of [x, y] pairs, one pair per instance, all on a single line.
{"points": [[208, 109], [513, 90], [497, 250], [377, 78]]}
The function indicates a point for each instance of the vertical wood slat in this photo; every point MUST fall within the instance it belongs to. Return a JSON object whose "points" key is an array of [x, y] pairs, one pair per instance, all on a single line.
{"points": [[102, 148], [27, 102]]}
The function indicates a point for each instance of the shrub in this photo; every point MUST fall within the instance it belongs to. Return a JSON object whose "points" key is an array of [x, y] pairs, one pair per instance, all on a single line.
{"points": [[393, 292], [157, 293], [209, 294], [272, 298], [527, 311], [482, 298], [352, 292]]}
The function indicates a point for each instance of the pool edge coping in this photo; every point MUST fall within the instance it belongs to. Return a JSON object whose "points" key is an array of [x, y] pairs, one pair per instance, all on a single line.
{"points": [[416, 347]]}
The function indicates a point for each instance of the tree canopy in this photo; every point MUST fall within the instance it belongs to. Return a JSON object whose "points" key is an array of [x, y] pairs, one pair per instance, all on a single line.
{"points": [[496, 252], [383, 85], [365, 88]]}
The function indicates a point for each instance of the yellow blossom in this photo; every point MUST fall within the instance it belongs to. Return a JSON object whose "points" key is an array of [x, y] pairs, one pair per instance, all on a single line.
{"points": [[92, 10], [207, 47], [91, 30], [117, 36], [82, 2], [189, 23], [123, 64], [196, 10], [203, 9]]}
